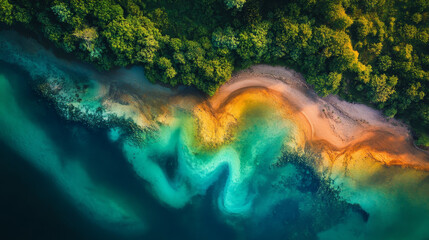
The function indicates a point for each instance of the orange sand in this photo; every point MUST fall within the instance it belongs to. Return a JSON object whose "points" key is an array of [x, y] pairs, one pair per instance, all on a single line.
{"points": [[342, 131]]}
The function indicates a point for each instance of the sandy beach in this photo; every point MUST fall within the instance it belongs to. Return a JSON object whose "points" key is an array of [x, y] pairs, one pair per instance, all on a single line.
{"points": [[336, 126]]}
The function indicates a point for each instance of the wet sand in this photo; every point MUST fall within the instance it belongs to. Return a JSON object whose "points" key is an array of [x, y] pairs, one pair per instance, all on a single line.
{"points": [[335, 126]]}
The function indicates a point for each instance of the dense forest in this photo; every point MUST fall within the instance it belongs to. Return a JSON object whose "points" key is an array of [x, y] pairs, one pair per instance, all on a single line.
{"points": [[370, 51]]}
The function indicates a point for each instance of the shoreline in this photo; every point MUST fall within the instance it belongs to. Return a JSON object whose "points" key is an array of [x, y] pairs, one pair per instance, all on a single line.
{"points": [[336, 125]]}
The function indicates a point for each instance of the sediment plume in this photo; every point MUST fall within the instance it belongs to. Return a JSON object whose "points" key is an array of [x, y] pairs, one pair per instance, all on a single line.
{"points": [[264, 140]]}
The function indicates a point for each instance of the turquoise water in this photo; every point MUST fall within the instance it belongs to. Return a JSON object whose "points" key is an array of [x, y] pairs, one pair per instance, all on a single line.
{"points": [[24, 135], [90, 171], [89, 192]]}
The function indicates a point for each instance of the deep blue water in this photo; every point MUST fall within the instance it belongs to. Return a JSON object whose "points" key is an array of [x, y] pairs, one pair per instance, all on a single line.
{"points": [[33, 207], [63, 179]]}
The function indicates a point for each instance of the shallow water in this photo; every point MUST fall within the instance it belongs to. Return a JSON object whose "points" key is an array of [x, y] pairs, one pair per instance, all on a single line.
{"points": [[90, 155]]}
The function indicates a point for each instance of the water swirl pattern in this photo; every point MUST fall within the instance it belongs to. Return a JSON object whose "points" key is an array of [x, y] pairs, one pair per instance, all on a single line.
{"points": [[265, 158]]}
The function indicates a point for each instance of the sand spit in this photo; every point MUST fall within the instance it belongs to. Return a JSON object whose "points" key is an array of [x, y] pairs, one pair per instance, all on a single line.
{"points": [[337, 127]]}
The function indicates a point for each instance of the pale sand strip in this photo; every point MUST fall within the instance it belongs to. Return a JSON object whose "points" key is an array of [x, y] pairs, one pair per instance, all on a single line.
{"points": [[337, 125]]}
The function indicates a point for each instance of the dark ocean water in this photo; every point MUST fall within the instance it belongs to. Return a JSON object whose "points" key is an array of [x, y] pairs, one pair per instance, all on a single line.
{"points": [[63, 179], [35, 203], [33, 207]]}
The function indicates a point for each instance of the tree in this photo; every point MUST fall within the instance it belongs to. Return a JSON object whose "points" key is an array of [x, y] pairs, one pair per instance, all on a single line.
{"points": [[62, 12], [238, 4], [384, 63], [408, 32], [390, 112], [254, 42], [286, 33], [105, 11], [382, 87], [132, 39], [337, 17], [326, 84], [89, 37], [225, 38], [414, 92], [362, 27], [423, 140], [21, 15], [6, 12]]}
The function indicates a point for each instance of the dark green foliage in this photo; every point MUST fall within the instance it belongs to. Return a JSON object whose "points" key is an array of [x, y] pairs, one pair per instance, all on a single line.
{"points": [[368, 51], [6, 12], [62, 12], [423, 140], [326, 83], [235, 3], [132, 40]]}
